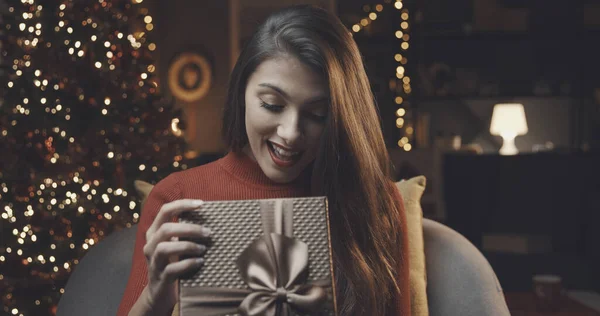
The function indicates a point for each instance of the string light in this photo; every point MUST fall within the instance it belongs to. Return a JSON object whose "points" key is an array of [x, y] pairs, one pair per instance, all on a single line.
{"points": [[400, 73], [404, 37]]}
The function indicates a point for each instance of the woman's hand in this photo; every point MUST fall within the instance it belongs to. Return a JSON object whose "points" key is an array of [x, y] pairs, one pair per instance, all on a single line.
{"points": [[163, 249]]}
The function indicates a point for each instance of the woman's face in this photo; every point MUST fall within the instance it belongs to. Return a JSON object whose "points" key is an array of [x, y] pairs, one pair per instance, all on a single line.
{"points": [[286, 112]]}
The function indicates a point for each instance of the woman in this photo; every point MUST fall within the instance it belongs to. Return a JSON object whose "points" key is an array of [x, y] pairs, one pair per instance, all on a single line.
{"points": [[299, 120]]}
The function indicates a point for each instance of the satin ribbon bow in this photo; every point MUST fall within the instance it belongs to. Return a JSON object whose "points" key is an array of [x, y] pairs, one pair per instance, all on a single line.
{"points": [[275, 268]]}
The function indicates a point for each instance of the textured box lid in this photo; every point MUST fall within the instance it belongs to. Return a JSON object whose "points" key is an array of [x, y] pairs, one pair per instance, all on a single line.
{"points": [[237, 224]]}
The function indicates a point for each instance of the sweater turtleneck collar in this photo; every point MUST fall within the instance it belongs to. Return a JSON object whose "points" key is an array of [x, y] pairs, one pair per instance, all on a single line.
{"points": [[241, 166]]}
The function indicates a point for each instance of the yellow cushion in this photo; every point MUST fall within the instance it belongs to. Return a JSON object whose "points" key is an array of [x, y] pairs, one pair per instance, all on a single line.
{"points": [[411, 191]]}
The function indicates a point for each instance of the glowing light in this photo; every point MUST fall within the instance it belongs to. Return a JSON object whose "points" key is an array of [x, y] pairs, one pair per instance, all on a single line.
{"points": [[175, 128], [400, 112], [399, 122], [398, 5], [356, 28], [373, 16]]}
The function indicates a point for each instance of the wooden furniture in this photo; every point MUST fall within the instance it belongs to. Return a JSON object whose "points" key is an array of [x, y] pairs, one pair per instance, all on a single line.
{"points": [[546, 194], [524, 304]]}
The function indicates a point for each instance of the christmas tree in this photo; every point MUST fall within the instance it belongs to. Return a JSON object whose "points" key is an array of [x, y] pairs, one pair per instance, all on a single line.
{"points": [[81, 118]]}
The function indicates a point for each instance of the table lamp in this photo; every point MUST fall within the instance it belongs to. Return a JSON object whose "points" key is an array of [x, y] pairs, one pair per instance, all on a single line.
{"points": [[508, 121]]}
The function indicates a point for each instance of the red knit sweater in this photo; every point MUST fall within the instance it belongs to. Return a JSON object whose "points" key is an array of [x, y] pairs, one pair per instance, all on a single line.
{"points": [[234, 177]]}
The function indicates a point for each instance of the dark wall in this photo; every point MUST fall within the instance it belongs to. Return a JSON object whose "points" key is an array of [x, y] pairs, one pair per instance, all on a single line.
{"points": [[202, 27]]}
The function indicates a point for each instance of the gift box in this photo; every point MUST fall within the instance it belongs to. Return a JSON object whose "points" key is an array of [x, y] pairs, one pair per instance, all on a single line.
{"points": [[264, 257]]}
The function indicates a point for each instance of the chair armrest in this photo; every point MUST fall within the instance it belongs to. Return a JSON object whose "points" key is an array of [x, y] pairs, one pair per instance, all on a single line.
{"points": [[98, 282], [460, 281]]}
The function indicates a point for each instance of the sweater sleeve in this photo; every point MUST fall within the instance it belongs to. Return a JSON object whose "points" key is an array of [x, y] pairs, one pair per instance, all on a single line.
{"points": [[165, 191], [403, 303]]}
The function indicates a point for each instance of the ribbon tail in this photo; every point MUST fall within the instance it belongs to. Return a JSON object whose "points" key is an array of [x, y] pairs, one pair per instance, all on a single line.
{"points": [[258, 304], [286, 310]]}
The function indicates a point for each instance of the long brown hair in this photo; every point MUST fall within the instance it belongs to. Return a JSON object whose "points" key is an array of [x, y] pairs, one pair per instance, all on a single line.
{"points": [[352, 167]]}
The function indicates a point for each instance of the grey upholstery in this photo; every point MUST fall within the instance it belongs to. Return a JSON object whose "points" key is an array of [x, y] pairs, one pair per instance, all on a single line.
{"points": [[98, 282], [460, 280]]}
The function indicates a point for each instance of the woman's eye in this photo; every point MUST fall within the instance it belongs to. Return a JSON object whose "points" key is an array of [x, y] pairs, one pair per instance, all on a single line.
{"points": [[318, 117], [271, 107]]}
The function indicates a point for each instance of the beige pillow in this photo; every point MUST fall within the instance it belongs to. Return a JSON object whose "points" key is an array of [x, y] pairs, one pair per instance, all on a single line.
{"points": [[411, 191], [143, 189]]}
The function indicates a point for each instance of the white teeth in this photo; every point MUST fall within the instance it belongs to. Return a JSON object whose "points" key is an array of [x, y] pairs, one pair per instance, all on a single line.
{"points": [[283, 152]]}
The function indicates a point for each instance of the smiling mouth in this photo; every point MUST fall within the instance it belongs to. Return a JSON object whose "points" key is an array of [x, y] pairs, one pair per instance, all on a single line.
{"points": [[283, 157]]}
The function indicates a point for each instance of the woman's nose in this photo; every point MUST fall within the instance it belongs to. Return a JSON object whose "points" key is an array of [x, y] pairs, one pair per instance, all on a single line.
{"points": [[289, 129]]}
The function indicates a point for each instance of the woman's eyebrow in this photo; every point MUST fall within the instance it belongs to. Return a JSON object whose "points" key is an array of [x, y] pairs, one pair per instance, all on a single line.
{"points": [[276, 88], [280, 91]]}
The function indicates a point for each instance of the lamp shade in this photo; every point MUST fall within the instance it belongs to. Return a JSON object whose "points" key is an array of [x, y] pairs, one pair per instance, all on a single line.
{"points": [[508, 119]]}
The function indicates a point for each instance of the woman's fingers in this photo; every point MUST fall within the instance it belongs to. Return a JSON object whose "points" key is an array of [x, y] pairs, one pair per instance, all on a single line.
{"points": [[169, 230], [169, 210], [177, 268], [167, 249]]}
